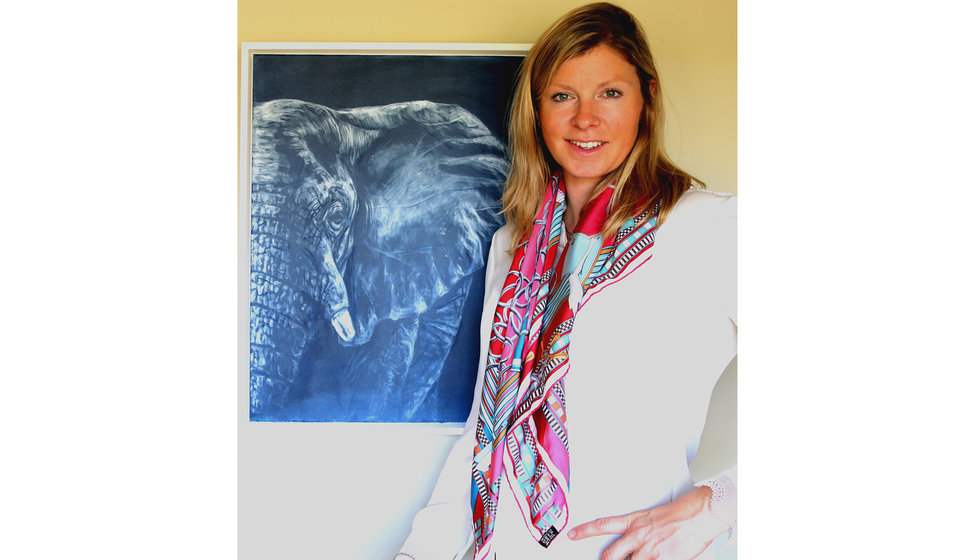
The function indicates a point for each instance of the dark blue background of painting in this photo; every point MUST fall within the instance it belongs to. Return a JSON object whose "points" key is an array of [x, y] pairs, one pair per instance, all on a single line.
{"points": [[480, 84]]}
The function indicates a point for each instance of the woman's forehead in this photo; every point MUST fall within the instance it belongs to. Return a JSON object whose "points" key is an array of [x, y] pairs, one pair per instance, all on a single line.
{"points": [[599, 65]]}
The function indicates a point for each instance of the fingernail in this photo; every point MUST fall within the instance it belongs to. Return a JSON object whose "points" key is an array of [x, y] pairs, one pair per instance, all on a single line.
{"points": [[571, 533]]}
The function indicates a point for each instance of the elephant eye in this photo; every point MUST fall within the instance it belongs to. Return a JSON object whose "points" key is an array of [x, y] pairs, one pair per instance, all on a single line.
{"points": [[336, 216]]}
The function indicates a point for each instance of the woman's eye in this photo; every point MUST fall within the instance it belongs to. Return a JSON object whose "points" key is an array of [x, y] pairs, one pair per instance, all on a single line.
{"points": [[612, 93], [559, 97]]}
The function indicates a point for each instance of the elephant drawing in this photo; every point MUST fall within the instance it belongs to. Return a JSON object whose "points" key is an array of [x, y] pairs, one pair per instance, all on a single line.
{"points": [[368, 228]]}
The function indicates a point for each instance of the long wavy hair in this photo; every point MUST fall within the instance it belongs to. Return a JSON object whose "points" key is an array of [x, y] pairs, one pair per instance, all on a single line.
{"points": [[646, 176]]}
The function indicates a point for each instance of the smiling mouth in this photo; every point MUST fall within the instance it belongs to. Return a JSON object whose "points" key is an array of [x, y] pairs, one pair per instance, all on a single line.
{"points": [[587, 145]]}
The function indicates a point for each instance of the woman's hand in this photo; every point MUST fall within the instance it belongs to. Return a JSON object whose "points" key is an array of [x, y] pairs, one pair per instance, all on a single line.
{"points": [[677, 531]]}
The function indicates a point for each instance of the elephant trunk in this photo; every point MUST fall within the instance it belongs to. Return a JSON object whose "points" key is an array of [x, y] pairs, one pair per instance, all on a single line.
{"points": [[334, 298]]}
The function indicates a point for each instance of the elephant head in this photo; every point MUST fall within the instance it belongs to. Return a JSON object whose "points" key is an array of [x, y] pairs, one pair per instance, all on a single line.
{"points": [[362, 216]]}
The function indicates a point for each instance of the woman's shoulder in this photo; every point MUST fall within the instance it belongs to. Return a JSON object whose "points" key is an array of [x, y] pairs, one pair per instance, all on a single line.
{"points": [[700, 217], [500, 245], [502, 235], [700, 201]]}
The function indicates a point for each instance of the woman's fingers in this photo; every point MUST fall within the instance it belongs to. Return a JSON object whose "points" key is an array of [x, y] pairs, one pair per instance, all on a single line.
{"points": [[679, 530], [615, 525], [623, 548]]}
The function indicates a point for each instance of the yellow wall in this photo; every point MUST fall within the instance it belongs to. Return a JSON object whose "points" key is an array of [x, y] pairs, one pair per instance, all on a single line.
{"points": [[693, 42]]}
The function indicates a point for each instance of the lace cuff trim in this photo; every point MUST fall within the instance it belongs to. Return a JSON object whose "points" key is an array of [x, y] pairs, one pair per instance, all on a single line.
{"points": [[724, 501]]}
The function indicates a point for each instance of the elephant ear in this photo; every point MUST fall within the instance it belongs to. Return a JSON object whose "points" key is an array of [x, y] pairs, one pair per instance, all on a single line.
{"points": [[430, 187]]}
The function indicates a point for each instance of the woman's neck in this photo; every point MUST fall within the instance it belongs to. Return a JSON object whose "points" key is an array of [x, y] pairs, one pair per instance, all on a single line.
{"points": [[577, 193]]}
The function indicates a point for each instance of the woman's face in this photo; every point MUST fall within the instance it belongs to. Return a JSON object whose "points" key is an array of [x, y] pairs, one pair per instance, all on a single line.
{"points": [[590, 114]]}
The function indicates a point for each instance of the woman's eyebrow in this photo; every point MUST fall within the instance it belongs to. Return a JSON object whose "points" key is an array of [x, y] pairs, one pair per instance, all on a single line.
{"points": [[614, 81]]}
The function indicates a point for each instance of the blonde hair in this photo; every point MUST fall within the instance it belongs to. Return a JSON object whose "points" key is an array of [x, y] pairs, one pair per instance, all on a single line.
{"points": [[646, 175]]}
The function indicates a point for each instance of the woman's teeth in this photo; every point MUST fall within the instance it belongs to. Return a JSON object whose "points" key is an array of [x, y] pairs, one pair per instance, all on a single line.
{"points": [[586, 145]]}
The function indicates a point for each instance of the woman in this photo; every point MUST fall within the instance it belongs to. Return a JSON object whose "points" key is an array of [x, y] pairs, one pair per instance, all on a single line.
{"points": [[608, 318]]}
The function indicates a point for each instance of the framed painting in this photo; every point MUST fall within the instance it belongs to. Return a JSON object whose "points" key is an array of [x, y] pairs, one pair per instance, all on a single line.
{"points": [[372, 175]]}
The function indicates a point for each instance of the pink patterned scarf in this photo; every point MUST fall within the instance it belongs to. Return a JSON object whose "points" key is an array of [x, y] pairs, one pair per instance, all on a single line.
{"points": [[520, 433]]}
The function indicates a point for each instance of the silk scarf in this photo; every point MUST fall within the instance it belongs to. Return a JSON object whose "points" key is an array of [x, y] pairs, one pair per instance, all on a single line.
{"points": [[521, 425]]}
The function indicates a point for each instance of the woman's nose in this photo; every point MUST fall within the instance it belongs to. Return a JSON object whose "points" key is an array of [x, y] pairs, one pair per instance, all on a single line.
{"points": [[585, 115]]}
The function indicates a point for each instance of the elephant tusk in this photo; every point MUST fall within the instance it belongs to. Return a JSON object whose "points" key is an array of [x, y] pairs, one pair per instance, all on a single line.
{"points": [[343, 325]]}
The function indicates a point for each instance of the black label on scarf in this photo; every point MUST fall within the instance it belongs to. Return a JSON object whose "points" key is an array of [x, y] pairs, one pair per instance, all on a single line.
{"points": [[548, 537]]}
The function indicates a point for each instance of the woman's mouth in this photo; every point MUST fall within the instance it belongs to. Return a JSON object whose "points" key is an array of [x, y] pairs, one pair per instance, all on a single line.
{"points": [[586, 146]]}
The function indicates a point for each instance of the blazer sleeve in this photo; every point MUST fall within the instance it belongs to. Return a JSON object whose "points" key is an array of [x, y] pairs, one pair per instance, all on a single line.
{"points": [[443, 529]]}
